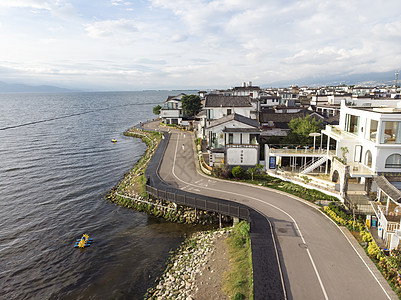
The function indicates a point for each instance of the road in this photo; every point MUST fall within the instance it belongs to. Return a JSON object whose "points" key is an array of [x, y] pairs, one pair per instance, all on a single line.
{"points": [[319, 260]]}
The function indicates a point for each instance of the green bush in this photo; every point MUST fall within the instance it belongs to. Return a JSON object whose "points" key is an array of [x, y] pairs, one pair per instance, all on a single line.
{"points": [[238, 172]]}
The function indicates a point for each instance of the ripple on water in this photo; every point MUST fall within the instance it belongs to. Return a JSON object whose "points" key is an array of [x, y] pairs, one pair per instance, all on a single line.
{"points": [[53, 178]]}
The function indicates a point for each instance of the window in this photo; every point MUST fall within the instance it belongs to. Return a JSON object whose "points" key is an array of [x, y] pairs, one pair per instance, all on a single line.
{"points": [[390, 132], [228, 111], [358, 153], [368, 159], [373, 130], [352, 124], [393, 161], [254, 139], [209, 114], [231, 138]]}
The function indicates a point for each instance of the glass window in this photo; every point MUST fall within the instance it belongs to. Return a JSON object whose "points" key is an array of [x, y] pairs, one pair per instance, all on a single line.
{"points": [[352, 124], [393, 161], [358, 153], [231, 138], [390, 132], [373, 130], [254, 139]]}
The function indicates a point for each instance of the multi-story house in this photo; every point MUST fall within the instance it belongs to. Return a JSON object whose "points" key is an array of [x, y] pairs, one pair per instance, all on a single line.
{"points": [[231, 130], [247, 90], [369, 138], [171, 112], [218, 106]]}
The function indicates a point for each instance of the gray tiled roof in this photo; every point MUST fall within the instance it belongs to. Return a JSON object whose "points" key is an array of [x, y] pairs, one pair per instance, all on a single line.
{"points": [[178, 97], [388, 188], [236, 117], [227, 101], [270, 115]]}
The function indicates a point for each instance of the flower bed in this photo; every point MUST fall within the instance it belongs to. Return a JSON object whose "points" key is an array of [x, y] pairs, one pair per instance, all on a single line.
{"points": [[389, 266]]}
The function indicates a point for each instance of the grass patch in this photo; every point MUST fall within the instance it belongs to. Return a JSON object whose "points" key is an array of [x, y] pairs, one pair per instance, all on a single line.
{"points": [[239, 283], [311, 195]]}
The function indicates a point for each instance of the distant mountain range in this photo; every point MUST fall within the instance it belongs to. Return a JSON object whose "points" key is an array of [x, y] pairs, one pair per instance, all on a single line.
{"points": [[23, 88], [365, 79]]}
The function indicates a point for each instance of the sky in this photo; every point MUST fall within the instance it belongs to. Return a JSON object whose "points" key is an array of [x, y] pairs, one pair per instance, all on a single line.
{"points": [[181, 44]]}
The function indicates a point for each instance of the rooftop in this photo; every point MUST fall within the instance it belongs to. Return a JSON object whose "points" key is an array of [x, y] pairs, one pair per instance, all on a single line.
{"points": [[227, 101], [236, 117]]}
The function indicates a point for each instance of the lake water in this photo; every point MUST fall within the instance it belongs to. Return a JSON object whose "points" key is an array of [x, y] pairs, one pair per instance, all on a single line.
{"points": [[57, 163]]}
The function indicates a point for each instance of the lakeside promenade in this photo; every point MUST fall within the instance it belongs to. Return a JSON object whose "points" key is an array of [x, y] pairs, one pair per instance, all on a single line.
{"points": [[318, 259]]}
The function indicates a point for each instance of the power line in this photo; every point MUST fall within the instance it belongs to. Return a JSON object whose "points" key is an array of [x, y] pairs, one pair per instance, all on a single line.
{"points": [[71, 115]]}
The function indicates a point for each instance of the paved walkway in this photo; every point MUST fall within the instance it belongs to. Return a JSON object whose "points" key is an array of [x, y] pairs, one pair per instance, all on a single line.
{"points": [[318, 260]]}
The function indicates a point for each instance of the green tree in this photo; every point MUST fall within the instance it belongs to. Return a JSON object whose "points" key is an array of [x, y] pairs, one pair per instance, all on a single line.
{"points": [[156, 110], [191, 104], [300, 129], [255, 170]]}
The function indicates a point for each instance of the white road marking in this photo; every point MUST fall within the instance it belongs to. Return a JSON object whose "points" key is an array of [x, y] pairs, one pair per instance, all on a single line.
{"points": [[263, 202]]}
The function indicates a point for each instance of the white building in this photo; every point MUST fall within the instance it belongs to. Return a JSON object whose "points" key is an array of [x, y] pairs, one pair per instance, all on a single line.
{"points": [[171, 112], [231, 130], [247, 90], [219, 106], [233, 140], [369, 138]]}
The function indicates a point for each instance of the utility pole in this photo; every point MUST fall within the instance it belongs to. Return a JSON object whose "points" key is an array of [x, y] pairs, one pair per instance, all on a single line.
{"points": [[396, 79]]}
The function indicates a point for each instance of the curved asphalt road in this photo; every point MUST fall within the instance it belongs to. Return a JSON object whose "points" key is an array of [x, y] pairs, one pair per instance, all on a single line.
{"points": [[319, 260]]}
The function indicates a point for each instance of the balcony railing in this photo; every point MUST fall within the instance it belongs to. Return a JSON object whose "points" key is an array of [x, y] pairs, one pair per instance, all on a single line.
{"points": [[337, 133], [390, 226], [222, 145], [242, 145]]}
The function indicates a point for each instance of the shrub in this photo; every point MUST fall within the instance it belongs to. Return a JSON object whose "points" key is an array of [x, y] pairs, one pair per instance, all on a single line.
{"points": [[238, 172], [221, 172], [366, 236], [238, 296]]}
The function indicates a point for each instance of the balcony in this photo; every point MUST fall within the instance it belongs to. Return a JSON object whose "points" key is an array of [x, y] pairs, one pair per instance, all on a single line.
{"points": [[301, 151], [390, 222], [170, 113], [336, 133]]}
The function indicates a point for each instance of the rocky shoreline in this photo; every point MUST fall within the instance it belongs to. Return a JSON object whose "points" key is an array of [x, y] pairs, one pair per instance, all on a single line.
{"points": [[186, 266], [182, 278], [129, 192]]}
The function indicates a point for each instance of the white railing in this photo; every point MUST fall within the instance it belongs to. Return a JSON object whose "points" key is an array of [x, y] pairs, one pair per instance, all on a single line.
{"points": [[388, 226], [313, 165]]}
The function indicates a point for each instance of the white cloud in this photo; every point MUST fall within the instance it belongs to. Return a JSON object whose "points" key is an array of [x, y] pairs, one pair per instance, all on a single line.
{"points": [[176, 38], [112, 29], [208, 43], [38, 4]]}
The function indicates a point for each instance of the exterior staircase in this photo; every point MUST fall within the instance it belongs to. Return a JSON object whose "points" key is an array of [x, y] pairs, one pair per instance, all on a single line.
{"points": [[313, 165]]}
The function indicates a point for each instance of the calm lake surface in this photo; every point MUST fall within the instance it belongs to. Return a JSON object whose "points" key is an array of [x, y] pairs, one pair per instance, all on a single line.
{"points": [[57, 163]]}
